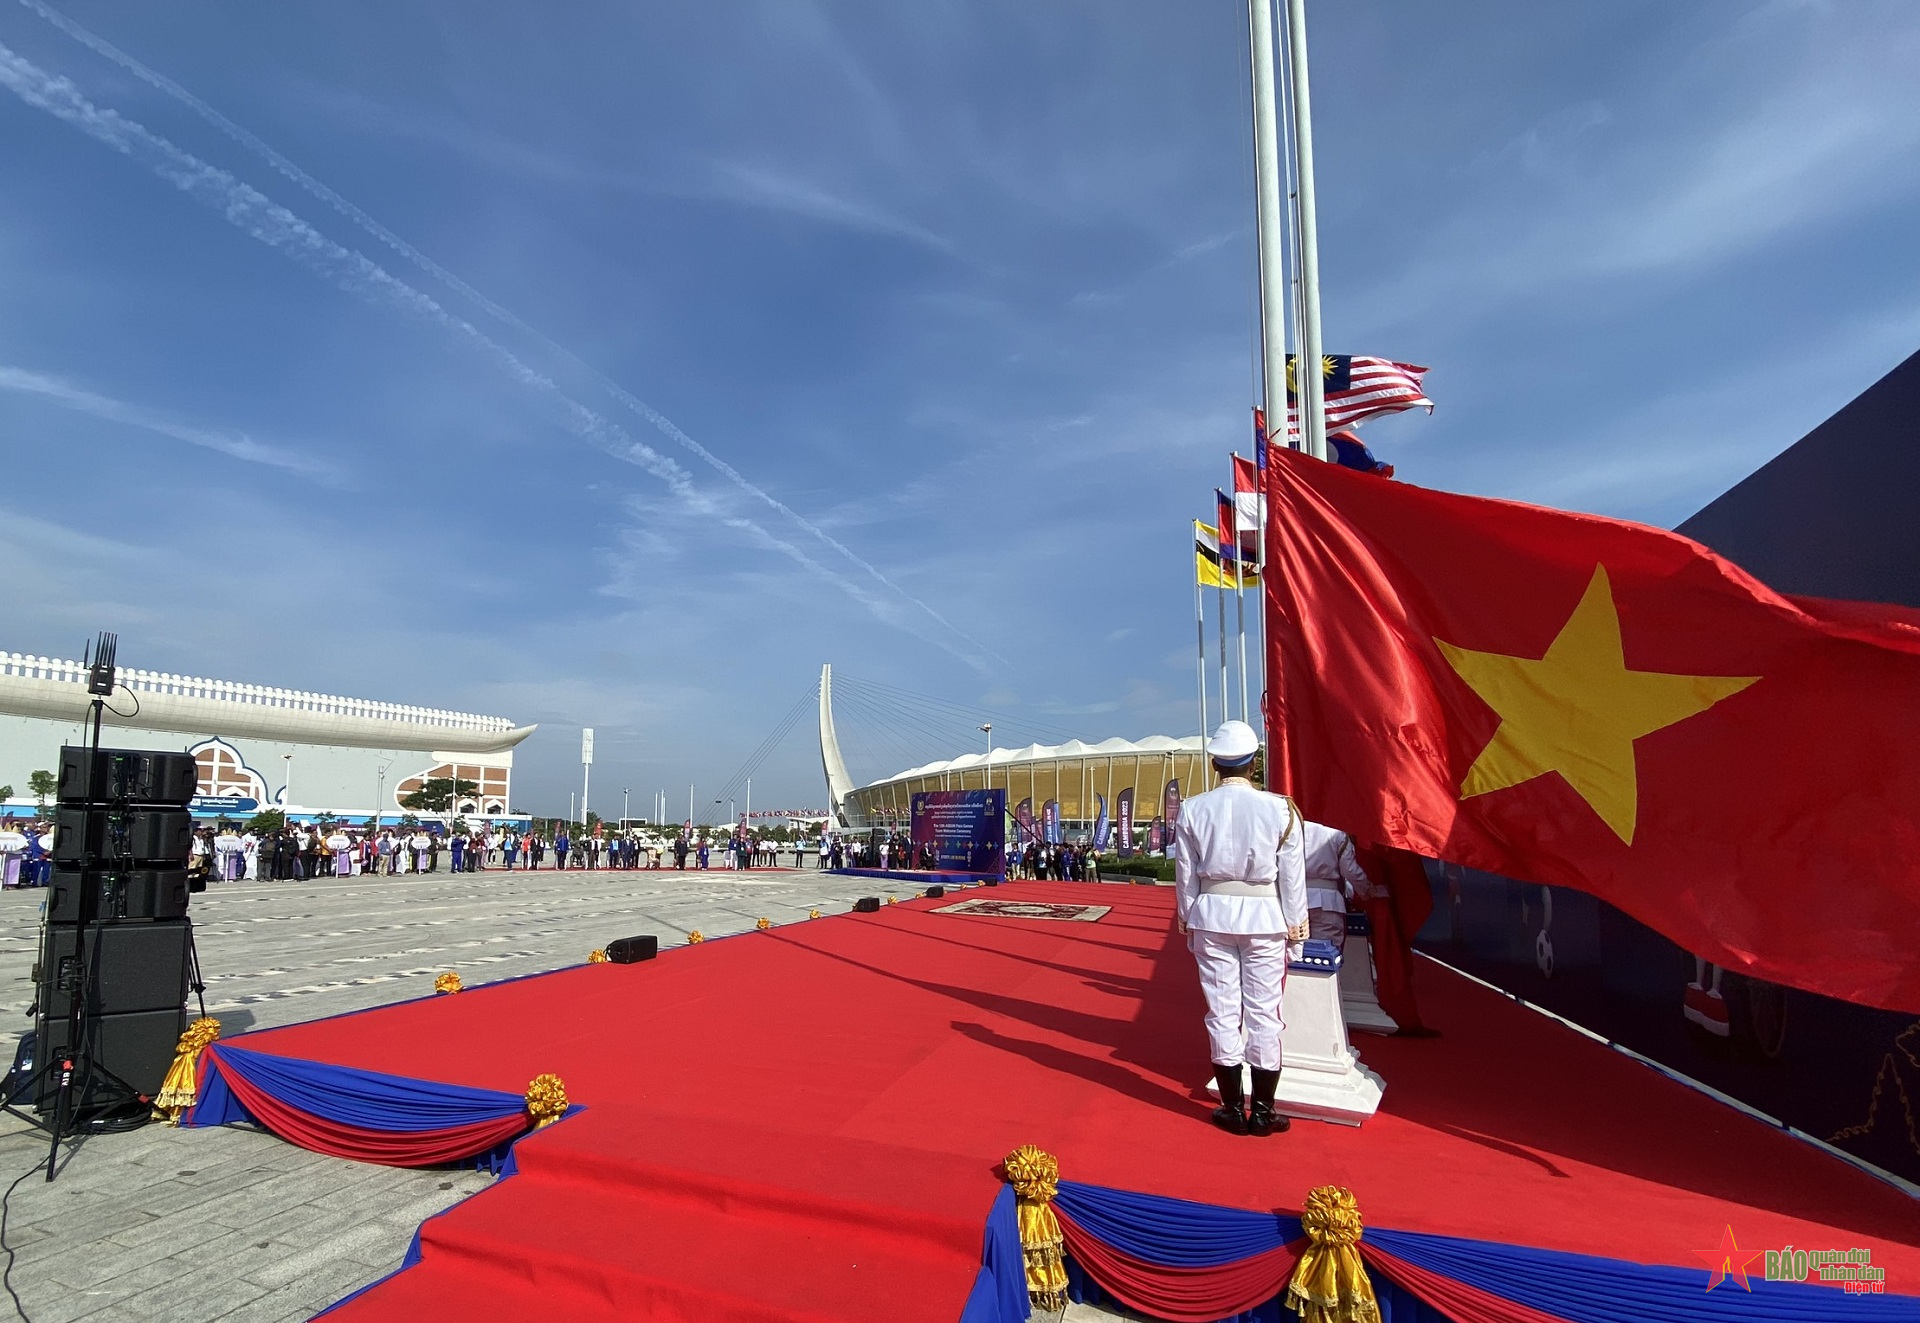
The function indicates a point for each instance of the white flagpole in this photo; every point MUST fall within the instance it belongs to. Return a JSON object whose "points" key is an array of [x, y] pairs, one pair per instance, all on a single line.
{"points": [[1200, 635], [1271, 218], [1310, 384], [1240, 589]]}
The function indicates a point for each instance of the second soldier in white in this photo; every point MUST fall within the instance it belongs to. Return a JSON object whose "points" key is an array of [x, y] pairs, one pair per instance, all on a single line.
{"points": [[1241, 896]]}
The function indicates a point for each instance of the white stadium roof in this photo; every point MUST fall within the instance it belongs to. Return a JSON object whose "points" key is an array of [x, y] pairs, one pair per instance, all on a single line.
{"points": [[1041, 753]]}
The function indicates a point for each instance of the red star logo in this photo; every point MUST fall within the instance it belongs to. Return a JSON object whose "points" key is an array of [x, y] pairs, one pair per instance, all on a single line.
{"points": [[1726, 1262]]}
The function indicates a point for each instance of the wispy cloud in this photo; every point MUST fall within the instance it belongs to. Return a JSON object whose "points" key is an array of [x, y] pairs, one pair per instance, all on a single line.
{"points": [[58, 96], [275, 226], [236, 445], [762, 186]]}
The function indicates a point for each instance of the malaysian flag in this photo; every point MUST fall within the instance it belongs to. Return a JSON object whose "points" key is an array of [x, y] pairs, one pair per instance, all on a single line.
{"points": [[1357, 389]]}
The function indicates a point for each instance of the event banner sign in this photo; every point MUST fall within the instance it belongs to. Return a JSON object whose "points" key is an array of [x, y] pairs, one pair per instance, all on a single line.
{"points": [[1170, 805], [966, 828], [1102, 828], [1153, 836], [1123, 809], [1050, 821]]}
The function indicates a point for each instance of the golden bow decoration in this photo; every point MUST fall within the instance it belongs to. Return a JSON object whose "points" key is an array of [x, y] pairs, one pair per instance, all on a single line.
{"points": [[1035, 1177], [546, 1100], [893, 900], [696, 936], [813, 914], [763, 923], [447, 982], [597, 957], [1330, 1283], [182, 1084]]}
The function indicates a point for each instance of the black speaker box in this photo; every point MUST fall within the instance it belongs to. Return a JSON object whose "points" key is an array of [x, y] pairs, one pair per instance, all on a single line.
{"points": [[116, 894], [136, 967], [122, 835], [145, 776], [935, 893], [867, 905], [136, 1047], [631, 950]]}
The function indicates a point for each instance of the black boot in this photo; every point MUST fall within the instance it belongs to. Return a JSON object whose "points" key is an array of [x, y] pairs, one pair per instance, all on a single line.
{"points": [[1231, 1114], [1263, 1120]]}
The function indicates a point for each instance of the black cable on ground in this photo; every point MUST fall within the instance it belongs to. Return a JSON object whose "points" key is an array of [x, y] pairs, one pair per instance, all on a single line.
{"points": [[6, 1273]]}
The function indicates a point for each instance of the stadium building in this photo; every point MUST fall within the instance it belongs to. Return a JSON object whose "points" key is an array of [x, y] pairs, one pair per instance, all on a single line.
{"points": [[1076, 775], [259, 746]]}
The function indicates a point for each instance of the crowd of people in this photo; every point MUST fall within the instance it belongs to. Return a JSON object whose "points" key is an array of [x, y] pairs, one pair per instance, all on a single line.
{"points": [[231, 852]]}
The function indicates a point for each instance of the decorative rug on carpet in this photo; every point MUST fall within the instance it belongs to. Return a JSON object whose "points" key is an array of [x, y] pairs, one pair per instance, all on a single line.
{"points": [[1026, 909], [807, 1123]]}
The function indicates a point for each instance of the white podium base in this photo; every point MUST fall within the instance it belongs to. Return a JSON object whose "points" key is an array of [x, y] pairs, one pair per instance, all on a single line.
{"points": [[1358, 1005], [1321, 1078]]}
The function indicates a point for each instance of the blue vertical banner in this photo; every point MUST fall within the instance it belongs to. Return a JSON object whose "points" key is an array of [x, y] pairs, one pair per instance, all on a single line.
{"points": [[1153, 836], [1102, 829], [1050, 821], [1123, 809], [1170, 811]]}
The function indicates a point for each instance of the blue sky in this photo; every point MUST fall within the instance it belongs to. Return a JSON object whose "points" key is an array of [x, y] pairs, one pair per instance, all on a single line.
{"points": [[619, 364]]}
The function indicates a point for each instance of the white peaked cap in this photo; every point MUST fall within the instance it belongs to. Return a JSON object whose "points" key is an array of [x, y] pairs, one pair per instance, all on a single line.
{"points": [[1234, 742]]}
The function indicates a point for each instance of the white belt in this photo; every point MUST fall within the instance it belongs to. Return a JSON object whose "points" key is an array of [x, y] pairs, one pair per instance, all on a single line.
{"points": [[1229, 886]]}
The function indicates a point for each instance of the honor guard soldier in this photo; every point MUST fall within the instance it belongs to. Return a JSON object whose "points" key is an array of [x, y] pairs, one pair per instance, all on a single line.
{"points": [[1241, 895]]}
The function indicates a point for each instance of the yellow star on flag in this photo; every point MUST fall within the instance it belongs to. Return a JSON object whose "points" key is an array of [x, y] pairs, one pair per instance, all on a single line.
{"points": [[1578, 710]]}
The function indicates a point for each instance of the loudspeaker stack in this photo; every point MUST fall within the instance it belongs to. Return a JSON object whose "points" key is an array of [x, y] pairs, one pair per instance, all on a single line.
{"points": [[116, 933]]}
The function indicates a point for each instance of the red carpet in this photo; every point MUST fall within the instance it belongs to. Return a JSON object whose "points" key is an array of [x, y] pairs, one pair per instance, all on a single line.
{"points": [[803, 1123]]}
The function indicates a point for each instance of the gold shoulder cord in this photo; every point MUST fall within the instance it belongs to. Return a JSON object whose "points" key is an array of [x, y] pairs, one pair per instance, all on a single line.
{"points": [[1294, 820]]}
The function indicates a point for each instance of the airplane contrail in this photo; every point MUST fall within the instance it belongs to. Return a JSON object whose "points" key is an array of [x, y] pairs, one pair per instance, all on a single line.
{"points": [[266, 221], [294, 174]]}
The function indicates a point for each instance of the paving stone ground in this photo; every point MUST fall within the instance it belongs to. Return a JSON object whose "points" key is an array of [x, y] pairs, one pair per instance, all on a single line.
{"points": [[237, 1226]]}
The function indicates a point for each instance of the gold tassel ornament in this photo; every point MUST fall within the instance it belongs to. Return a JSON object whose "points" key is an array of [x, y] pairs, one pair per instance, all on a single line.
{"points": [[696, 937], [596, 957], [1330, 1283], [546, 1100], [1035, 1177], [764, 924], [182, 1085], [813, 914], [447, 983]]}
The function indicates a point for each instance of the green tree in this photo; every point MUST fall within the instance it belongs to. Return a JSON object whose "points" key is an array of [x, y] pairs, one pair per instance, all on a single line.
{"points": [[437, 794], [408, 822], [40, 785], [267, 822], [6, 792]]}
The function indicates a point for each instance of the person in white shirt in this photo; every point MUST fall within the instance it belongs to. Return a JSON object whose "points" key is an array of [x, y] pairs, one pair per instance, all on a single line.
{"points": [[250, 853], [1333, 876], [1241, 895]]}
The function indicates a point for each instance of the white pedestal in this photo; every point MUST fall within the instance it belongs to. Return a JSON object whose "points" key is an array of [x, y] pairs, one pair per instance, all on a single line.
{"points": [[1358, 1005], [1321, 1078]]}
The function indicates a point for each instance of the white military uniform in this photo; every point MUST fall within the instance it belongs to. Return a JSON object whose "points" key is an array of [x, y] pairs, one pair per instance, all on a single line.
{"points": [[1240, 883], [1333, 874]]}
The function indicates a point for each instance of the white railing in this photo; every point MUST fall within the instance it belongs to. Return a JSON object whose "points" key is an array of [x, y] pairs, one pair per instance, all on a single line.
{"points": [[260, 695]]}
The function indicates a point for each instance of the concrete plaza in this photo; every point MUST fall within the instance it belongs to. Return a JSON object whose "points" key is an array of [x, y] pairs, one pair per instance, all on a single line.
{"points": [[230, 1224]]}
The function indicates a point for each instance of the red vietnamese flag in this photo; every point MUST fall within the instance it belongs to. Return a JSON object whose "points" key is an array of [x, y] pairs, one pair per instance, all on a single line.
{"points": [[1600, 705]]}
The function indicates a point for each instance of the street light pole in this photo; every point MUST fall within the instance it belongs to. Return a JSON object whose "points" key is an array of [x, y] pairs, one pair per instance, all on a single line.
{"points": [[624, 792], [286, 786], [987, 730]]}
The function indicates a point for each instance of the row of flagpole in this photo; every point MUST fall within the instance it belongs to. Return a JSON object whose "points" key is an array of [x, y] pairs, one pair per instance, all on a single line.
{"points": [[1342, 392]]}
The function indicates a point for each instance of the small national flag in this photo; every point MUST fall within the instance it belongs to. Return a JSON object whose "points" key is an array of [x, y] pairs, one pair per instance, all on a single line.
{"points": [[1356, 389], [1249, 506], [1350, 451], [1259, 437], [1206, 562], [1223, 518]]}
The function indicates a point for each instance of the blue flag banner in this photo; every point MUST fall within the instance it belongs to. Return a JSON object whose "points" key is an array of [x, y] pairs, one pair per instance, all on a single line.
{"points": [[1102, 829], [1123, 809]]}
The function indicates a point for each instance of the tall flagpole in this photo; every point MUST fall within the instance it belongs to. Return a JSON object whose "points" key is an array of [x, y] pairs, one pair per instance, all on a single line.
{"points": [[1311, 392], [1200, 636], [1220, 596], [1240, 592], [1272, 225]]}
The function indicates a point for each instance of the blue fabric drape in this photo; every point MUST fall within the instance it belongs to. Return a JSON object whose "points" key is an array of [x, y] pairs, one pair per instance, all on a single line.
{"points": [[1000, 1290], [357, 1097], [1584, 1289], [1176, 1232], [1396, 1305]]}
